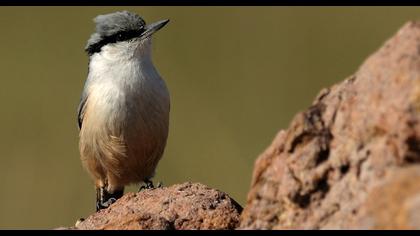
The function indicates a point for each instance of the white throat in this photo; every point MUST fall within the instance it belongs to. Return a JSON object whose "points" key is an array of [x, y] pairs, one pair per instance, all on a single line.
{"points": [[123, 63]]}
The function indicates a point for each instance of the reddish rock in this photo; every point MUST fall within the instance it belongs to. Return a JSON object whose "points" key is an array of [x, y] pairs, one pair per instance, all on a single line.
{"points": [[351, 161], [181, 206]]}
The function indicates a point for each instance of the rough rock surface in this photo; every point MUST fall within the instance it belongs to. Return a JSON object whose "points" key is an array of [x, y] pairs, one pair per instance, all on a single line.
{"points": [[181, 206], [351, 161]]}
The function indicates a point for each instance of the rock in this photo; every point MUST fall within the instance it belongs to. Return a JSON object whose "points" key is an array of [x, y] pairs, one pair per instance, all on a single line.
{"points": [[181, 206], [350, 161]]}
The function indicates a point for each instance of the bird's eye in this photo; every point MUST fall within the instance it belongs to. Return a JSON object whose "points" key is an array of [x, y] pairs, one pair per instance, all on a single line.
{"points": [[120, 36]]}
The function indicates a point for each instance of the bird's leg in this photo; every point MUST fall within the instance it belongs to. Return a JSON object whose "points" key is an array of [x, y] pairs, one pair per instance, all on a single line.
{"points": [[104, 199]]}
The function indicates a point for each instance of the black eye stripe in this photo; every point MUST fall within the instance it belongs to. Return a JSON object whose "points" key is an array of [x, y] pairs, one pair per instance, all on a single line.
{"points": [[117, 37], [122, 36]]}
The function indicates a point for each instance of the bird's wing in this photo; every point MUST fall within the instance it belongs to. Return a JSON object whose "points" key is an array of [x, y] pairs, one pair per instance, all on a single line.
{"points": [[83, 101], [81, 108]]}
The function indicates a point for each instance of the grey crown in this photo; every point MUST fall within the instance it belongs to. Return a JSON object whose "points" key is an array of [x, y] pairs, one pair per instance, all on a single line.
{"points": [[111, 24]]}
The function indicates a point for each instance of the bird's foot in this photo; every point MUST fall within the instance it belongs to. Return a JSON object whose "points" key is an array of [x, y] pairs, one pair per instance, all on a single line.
{"points": [[104, 205], [148, 184], [105, 199]]}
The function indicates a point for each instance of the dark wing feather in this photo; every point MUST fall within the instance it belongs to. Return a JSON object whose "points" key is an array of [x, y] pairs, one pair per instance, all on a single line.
{"points": [[82, 105], [81, 109]]}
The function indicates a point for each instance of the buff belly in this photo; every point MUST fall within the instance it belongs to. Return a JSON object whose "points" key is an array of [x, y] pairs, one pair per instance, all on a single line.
{"points": [[122, 144]]}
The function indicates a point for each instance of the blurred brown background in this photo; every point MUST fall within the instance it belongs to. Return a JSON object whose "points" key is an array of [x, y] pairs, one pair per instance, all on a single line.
{"points": [[236, 76]]}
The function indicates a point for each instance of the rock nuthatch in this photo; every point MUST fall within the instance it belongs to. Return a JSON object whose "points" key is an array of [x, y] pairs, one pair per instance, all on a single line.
{"points": [[123, 114]]}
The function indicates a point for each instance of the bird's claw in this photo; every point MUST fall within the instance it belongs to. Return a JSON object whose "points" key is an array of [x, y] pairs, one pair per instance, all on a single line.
{"points": [[149, 185], [104, 205]]}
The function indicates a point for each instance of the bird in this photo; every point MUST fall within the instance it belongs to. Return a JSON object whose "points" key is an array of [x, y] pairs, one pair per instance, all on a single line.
{"points": [[123, 114]]}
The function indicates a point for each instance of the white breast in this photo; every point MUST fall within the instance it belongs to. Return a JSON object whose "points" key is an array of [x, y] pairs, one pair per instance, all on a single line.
{"points": [[125, 88]]}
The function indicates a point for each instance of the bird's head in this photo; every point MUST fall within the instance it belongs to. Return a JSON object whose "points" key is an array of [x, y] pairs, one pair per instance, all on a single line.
{"points": [[121, 29]]}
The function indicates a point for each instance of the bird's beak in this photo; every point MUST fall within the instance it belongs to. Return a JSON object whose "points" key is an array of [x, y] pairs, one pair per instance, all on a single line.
{"points": [[153, 28]]}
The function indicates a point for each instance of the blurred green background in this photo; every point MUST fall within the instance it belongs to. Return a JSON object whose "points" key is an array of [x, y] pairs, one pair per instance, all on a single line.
{"points": [[236, 76]]}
